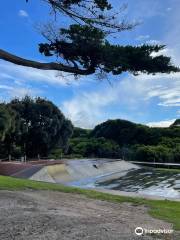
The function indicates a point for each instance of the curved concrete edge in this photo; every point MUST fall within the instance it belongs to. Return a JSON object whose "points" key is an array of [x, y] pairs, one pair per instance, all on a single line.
{"points": [[83, 171], [42, 176]]}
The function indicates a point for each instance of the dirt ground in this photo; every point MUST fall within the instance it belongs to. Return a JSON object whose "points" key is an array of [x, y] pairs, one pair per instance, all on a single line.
{"points": [[46, 215]]}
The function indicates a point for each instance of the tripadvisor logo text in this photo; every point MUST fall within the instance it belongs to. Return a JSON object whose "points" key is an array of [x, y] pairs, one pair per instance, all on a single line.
{"points": [[140, 231]]}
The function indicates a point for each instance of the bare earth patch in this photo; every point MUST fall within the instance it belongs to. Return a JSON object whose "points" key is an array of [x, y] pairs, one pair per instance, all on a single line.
{"points": [[47, 215]]}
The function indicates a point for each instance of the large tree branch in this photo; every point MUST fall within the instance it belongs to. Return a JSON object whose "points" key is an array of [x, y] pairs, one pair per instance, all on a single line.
{"points": [[104, 21], [43, 66]]}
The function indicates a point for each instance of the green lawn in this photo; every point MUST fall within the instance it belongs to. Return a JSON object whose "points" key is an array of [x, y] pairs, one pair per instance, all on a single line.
{"points": [[165, 210], [173, 170]]}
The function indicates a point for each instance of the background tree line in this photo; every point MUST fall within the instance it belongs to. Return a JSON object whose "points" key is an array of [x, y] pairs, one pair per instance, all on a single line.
{"points": [[35, 128], [129, 141]]}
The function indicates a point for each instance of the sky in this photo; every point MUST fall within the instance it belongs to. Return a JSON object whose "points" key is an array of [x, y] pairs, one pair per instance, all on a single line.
{"points": [[87, 101]]}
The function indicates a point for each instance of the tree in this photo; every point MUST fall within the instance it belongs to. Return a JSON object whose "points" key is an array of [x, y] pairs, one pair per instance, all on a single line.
{"points": [[42, 126], [176, 123], [121, 131], [153, 153], [6, 121], [94, 147], [80, 133], [7, 129], [84, 47]]}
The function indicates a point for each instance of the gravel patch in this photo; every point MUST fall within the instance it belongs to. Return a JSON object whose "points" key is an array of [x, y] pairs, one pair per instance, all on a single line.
{"points": [[47, 215]]}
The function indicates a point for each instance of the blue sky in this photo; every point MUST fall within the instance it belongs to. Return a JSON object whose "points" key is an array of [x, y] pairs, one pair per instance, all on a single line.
{"points": [[153, 100]]}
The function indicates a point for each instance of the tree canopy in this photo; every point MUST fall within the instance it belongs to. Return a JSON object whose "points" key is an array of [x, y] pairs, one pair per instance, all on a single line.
{"points": [[83, 46], [36, 127]]}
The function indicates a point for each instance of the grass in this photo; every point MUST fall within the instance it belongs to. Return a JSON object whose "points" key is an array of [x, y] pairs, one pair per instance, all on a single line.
{"points": [[173, 170], [162, 209]]}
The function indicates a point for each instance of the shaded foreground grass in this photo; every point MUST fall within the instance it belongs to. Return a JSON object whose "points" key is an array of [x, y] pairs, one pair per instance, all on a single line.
{"points": [[173, 170], [162, 209]]}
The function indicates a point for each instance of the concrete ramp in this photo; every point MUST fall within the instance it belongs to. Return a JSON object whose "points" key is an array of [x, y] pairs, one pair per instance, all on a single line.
{"points": [[43, 176], [82, 172]]}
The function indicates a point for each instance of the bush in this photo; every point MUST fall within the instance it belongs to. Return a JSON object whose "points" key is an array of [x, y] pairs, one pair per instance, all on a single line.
{"points": [[94, 147], [154, 153]]}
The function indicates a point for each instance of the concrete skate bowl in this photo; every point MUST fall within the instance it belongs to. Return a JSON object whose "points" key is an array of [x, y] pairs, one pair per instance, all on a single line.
{"points": [[113, 175], [83, 172], [101, 174]]}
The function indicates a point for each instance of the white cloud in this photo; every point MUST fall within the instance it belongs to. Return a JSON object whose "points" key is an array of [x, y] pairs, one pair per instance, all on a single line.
{"points": [[153, 42], [178, 113], [21, 92], [85, 110], [23, 13], [165, 123], [133, 94], [9, 92], [164, 87], [142, 37], [6, 87]]}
